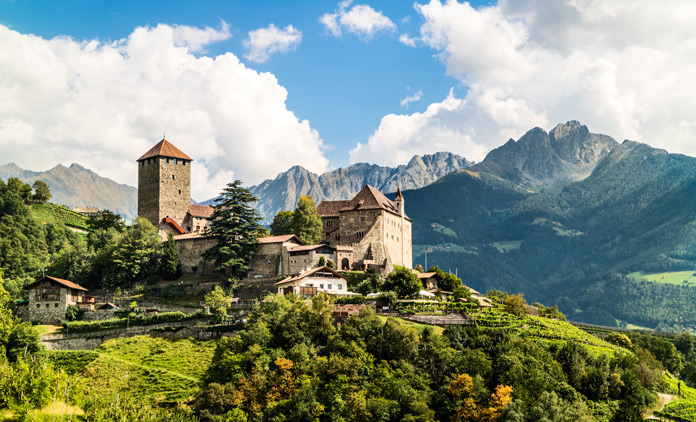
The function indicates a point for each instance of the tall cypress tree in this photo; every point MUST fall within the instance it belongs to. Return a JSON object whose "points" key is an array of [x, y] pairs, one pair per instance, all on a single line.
{"points": [[235, 224]]}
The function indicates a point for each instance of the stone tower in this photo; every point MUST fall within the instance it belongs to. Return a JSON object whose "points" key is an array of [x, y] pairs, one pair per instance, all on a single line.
{"points": [[164, 187]]}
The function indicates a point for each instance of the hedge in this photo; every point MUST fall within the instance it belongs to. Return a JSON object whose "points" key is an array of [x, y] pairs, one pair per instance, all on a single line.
{"points": [[137, 320]]}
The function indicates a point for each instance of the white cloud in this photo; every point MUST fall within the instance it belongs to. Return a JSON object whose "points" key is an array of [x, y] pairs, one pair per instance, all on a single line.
{"points": [[624, 68], [411, 98], [360, 19], [104, 104], [263, 42], [408, 40], [400, 137]]}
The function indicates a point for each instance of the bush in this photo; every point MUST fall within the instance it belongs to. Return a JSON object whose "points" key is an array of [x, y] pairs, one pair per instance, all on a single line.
{"points": [[73, 313], [153, 279], [351, 300]]}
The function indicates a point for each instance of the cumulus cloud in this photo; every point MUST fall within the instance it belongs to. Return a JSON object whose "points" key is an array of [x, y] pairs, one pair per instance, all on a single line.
{"points": [[407, 40], [360, 19], [104, 104], [624, 68], [400, 137], [411, 98], [263, 42]]}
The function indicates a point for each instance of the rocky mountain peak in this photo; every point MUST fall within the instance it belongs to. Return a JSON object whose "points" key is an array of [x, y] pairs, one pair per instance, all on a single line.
{"points": [[568, 153]]}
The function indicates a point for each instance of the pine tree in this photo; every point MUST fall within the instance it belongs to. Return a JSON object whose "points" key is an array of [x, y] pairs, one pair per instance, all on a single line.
{"points": [[306, 221], [235, 224], [171, 266]]}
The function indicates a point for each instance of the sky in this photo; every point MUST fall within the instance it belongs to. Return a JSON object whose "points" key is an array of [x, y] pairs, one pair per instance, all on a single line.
{"points": [[250, 88]]}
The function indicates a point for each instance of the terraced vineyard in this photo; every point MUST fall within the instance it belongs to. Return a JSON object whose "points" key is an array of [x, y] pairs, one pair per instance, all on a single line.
{"points": [[543, 329], [52, 213], [681, 408]]}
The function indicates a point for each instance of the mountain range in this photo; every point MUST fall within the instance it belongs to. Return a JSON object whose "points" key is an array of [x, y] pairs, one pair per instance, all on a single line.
{"points": [[588, 244], [283, 192], [76, 186]]}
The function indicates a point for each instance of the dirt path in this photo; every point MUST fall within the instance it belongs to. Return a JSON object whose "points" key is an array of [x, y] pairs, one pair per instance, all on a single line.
{"points": [[662, 401]]}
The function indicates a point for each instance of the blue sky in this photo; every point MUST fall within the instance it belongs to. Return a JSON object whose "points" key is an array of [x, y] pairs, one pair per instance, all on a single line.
{"points": [[90, 82]]}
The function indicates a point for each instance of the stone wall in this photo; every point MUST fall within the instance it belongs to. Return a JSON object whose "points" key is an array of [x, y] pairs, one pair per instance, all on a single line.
{"points": [[191, 251], [267, 260], [98, 315]]}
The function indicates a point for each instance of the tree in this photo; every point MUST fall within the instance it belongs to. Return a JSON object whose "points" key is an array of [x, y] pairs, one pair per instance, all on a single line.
{"points": [[516, 305], [235, 224], [136, 254], [448, 282], [306, 222], [216, 301], [282, 223], [403, 282], [42, 193], [105, 220], [171, 266]]}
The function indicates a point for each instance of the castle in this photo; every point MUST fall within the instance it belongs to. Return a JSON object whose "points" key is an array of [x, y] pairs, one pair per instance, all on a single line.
{"points": [[369, 231], [164, 192]]}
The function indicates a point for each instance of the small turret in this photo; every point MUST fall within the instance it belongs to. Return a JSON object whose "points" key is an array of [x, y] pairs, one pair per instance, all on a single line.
{"points": [[399, 202]]}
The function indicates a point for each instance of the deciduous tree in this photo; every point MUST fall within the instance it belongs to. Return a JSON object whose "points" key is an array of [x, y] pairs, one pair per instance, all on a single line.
{"points": [[282, 223], [306, 222]]}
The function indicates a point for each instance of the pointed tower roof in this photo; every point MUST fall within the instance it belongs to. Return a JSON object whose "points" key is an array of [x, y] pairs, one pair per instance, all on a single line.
{"points": [[164, 148], [398, 194]]}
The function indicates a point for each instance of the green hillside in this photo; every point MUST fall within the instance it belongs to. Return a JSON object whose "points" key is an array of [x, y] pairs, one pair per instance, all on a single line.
{"points": [[52, 213], [579, 245]]}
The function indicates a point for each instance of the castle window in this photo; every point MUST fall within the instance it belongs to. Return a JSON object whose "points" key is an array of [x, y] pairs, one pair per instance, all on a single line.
{"points": [[166, 160], [175, 161], [329, 223], [38, 305], [362, 219], [48, 304], [173, 178], [179, 191], [183, 162], [56, 305]]}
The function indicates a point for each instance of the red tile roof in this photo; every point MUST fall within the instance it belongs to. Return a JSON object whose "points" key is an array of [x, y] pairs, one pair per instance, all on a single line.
{"points": [[66, 283], [280, 239], [201, 211], [175, 225], [332, 208], [369, 198], [323, 269], [309, 248], [165, 149]]}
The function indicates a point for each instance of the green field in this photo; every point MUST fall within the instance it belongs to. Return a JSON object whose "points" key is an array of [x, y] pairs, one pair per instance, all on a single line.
{"points": [[147, 368], [52, 213], [508, 245], [439, 228], [419, 250], [681, 278]]}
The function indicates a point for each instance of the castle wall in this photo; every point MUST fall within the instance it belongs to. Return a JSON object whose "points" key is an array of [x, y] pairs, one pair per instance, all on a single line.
{"points": [[191, 251], [310, 260], [330, 232], [267, 260], [397, 239]]}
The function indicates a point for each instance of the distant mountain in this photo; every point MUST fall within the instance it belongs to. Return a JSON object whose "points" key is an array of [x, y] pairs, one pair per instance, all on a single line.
{"points": [[582, 244], [568, 153], [283, 192], [77, 186]]}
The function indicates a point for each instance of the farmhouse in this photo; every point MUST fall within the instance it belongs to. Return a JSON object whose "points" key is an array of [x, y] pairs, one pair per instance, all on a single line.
{"points": [[50, 297], [312, 282]]}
